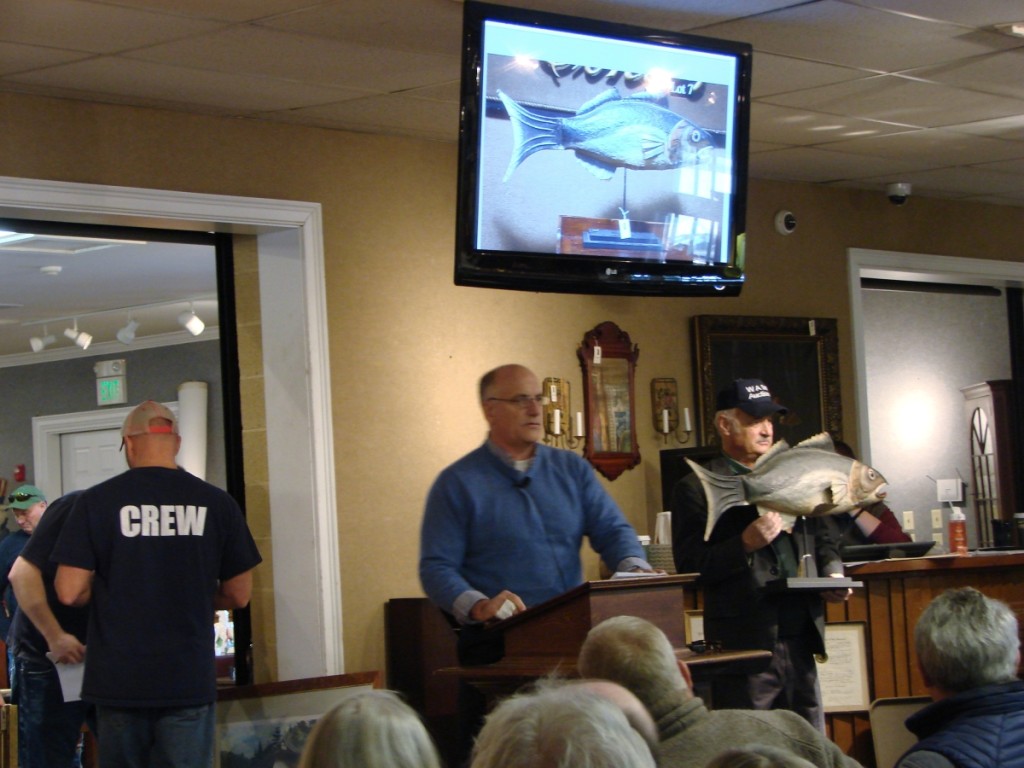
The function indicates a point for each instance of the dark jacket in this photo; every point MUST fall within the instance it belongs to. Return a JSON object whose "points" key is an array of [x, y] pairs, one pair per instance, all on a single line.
{"points": [[979, 728], [736, 611]]}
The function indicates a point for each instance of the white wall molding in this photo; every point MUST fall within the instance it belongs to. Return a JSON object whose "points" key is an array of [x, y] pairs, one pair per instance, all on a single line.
{"points": [[299, 424]]}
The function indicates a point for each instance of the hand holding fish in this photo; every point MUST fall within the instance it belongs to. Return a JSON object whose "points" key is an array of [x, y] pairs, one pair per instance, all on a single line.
{"points": [[761, 532]]}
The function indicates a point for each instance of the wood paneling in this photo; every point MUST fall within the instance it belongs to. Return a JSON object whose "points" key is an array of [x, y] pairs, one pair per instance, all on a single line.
{"points": [[894, 595]]}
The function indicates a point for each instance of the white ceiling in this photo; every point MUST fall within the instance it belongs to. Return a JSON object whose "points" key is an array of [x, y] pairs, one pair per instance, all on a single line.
{"points": [[852, 93]]}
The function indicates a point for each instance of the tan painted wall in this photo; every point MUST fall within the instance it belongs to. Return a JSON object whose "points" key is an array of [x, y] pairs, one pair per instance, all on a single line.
{"points": [[407, 345]]}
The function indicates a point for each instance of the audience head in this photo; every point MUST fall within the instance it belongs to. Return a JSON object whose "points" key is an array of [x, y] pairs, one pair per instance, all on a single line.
{"points": [[634, 710], [758, 756], [560, 726], [634, 653], [965, 640], [370, 729]]}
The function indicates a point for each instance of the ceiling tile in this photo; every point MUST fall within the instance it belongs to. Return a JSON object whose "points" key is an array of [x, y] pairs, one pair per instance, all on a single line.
{"points": [[179, 85], [835, 32], [801, 127], [21, 58], [973, 13], [92, 27], [318, 60], [999, 73], [782, 74], [900, 100], [933, 145], [815, 164]]}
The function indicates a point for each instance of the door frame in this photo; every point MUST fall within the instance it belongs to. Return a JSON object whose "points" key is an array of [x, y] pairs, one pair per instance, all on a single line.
{"points": [[299, 433]]}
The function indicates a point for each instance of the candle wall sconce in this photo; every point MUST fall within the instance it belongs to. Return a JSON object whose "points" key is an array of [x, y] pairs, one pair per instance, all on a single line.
{"points": [[562, 427], [665, 411]]}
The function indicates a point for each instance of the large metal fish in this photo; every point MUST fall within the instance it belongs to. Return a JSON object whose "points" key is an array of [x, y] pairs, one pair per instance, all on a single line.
{"points": [[610, 132], [810, 480]]}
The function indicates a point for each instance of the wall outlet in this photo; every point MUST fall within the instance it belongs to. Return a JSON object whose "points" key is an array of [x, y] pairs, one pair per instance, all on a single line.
{"points": [[937, 538], [937, 519], [949, 489], [908, 520]]}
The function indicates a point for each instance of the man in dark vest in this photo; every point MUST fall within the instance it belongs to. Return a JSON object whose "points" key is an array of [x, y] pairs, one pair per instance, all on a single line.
{"points": [[968, 649]]}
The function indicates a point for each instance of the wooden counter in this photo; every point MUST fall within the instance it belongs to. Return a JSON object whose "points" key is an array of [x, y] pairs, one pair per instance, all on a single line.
{"points": [[894, 595]]}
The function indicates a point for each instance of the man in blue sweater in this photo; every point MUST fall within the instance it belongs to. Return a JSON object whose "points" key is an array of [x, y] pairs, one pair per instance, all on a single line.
{"points": [[968, 649], [504, 524]]}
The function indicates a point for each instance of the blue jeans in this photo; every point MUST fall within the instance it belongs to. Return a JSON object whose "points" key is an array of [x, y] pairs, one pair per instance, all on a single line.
{"points": [[156, 737], [48, 727]]}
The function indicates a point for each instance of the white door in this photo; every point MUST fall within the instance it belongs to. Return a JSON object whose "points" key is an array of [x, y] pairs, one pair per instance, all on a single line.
{"points": [[87, 458]]}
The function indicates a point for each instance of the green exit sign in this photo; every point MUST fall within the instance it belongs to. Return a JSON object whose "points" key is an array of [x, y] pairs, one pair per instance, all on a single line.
{"points": [[110, 390]]}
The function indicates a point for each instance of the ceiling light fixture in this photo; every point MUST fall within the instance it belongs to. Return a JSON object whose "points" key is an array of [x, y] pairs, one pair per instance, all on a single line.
{"points": [[127, 334], [190, 320], [39, 343], [81, 338]]}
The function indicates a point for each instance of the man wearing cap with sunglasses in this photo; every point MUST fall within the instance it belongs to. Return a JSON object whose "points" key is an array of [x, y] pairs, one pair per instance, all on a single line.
{"points": [[154, 552], [27, 503], [743, 553]]}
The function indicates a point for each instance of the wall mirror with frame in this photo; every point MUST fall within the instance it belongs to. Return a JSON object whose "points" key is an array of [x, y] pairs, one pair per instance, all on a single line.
{"points": [[797, 357], [608, 359]]}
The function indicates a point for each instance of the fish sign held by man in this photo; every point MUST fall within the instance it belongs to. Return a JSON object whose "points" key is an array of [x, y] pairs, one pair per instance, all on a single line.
{"points": [[810, 480], [610, 132]]}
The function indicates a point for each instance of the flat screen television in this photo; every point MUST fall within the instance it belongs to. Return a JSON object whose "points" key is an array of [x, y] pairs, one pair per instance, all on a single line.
{"points": [[600, 158]]}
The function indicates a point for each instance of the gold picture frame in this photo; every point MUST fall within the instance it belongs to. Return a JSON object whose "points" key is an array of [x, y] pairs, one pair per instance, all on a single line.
{"points": [[797, 357]]}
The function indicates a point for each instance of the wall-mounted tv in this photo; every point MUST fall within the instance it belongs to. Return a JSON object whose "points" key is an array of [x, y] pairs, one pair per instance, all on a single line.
{"points": [[600, 158]]}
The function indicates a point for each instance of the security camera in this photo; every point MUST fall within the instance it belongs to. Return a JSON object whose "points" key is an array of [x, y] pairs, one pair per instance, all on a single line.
{"points": [[898, 192], [785, 222]]}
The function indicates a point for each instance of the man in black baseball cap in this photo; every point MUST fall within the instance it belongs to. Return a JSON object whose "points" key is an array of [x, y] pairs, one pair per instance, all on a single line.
{"points": [[744, 552]]}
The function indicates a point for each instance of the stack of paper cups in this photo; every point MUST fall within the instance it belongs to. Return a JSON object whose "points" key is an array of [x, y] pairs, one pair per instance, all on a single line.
{"points": [[663, 528]]}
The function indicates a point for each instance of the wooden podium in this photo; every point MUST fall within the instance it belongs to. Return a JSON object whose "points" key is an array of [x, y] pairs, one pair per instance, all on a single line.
{"points": [[547, 638], [555, 630]]}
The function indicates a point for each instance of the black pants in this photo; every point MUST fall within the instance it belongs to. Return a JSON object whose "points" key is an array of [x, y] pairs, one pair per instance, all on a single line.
{"points": [[475, 648]]}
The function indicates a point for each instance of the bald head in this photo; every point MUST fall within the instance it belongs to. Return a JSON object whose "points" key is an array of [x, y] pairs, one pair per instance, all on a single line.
{"points": [[511, 400]]}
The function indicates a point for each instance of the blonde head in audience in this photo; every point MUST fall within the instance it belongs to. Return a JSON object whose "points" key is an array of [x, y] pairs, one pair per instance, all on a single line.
{"points": [[758, 756], [635, 653], [560, 726], [370, 729]]}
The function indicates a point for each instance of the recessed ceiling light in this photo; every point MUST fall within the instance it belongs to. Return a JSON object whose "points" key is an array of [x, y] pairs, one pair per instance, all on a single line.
{"points": [[52, 271]]}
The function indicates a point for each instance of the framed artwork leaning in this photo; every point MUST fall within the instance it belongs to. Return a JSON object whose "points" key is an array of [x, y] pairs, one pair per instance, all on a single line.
{"points": [[268, 723], [797, 357]]}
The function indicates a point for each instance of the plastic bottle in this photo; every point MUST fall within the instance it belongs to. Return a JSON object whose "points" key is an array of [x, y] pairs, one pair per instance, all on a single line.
{"points": [[957, 532]]}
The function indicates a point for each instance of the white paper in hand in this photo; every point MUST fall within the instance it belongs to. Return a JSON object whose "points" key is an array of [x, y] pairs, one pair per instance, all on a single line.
{"points": [[506, 610], [70, 676]]}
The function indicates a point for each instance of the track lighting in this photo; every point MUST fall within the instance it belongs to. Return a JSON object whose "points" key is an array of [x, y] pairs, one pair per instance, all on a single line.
{"points": [[190, 320], [127, 334], [81, 338], [39, 343]]}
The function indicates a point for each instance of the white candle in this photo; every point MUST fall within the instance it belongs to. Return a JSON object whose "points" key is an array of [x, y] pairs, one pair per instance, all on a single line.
{"points": [[579, 424], [686, 420], [664, 421], [558, 421]]}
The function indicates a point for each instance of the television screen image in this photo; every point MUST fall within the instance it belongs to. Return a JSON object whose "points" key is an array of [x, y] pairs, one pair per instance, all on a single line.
{"points": [[605, 162]]}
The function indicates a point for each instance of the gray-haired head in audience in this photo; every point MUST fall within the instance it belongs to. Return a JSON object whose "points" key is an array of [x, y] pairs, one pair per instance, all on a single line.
{"points": [[966, 640], [560, 726], [370, 729]]}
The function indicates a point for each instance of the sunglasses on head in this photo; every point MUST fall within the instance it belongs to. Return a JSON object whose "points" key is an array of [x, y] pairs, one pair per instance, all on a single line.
{"points": [[19, 497]]}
